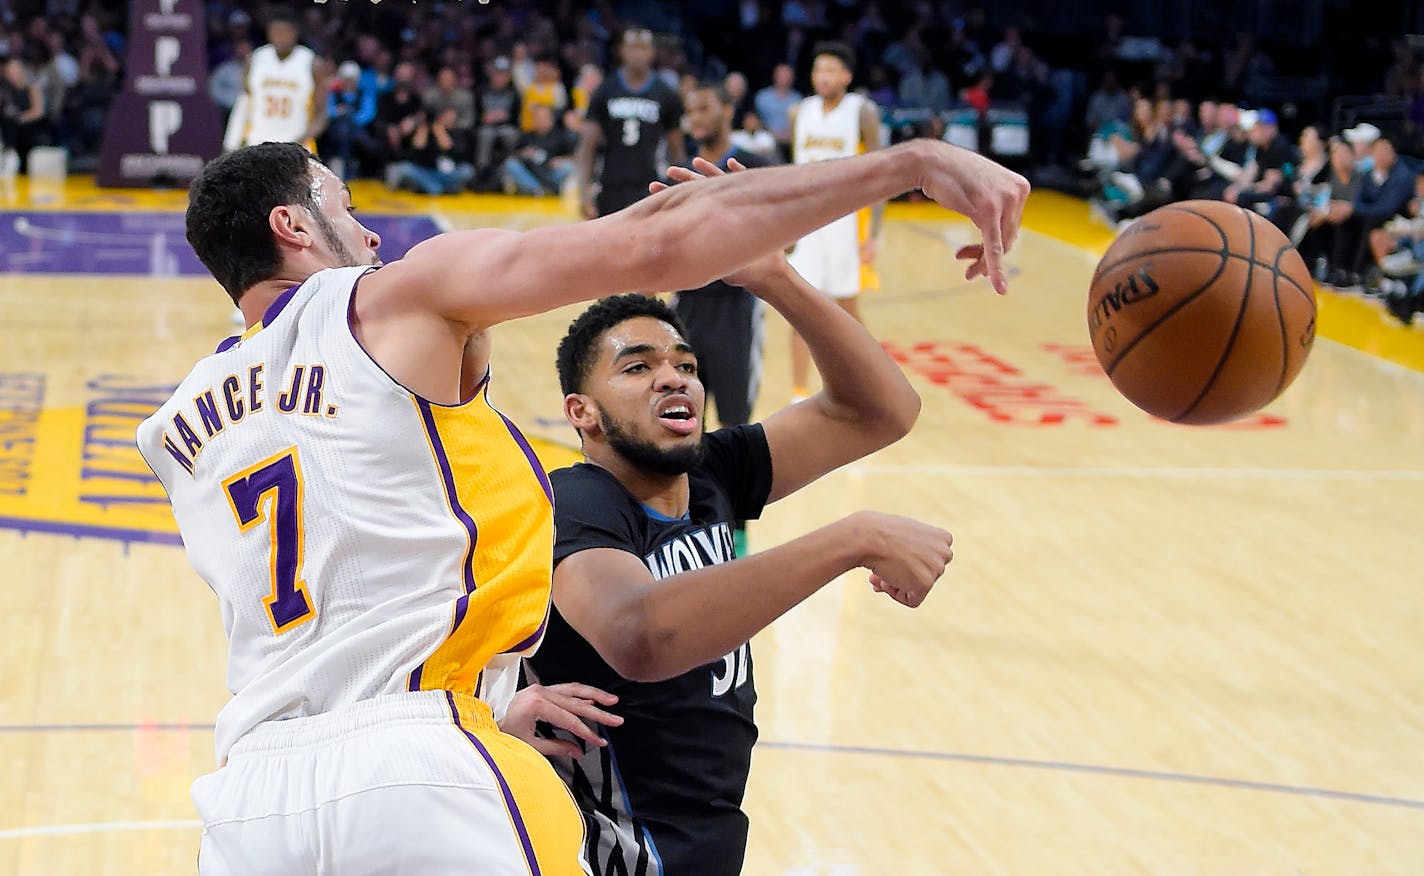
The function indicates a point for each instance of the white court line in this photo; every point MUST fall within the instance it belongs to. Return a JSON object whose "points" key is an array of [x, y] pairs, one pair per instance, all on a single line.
{"points": [[441, 221], [1048, 471], [97, 827]]}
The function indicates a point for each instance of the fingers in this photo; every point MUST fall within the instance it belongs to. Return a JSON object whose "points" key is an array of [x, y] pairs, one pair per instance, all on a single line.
{"points": [[705, 167], [555, 747], [583, 691], [735, 165], [992, 232], [677, 173], [655, 187]]}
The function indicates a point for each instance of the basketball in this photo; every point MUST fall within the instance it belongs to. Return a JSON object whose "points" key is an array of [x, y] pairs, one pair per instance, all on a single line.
{"points": [[1201, 312]]}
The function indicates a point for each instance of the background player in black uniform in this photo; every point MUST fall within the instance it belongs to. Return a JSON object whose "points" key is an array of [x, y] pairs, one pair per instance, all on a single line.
{"points": [[725, 323], [649, 601], [631, 113]]}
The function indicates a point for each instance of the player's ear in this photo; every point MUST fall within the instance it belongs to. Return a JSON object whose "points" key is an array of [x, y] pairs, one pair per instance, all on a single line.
{"points": [[581, 412], [289, 226]]}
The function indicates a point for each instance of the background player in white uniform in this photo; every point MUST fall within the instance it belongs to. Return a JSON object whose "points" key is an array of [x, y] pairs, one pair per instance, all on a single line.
{"points": [[285, 86], [379, 536], [837, 259]]}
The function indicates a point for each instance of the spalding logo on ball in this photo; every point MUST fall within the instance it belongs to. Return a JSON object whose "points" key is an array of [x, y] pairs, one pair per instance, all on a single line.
{"points": [[1201, 312]]}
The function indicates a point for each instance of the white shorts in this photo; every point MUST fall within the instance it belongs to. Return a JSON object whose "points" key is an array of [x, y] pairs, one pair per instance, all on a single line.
{"points": [[419, 783], [829, 258]]}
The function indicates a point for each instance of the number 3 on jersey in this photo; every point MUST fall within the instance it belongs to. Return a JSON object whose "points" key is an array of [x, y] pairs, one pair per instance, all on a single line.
{"points": [[271, 490], [632, 130]]}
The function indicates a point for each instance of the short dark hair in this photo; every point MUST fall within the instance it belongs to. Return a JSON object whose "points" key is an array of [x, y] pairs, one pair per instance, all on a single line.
{"points": [[284, 14], [718, 89], [228, 207], [577, 349], [840, 51]]}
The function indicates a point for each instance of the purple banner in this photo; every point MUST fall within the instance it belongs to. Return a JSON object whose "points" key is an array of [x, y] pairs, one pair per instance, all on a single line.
{"points": [[163, 127]]}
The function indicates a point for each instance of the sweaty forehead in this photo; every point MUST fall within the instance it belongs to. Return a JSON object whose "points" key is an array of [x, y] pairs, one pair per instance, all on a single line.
{"points": [[640, 331]]}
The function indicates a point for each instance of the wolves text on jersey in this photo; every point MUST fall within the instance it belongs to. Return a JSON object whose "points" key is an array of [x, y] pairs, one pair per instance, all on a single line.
{"points": [[692, 550], [641, 108], [241, 395]]}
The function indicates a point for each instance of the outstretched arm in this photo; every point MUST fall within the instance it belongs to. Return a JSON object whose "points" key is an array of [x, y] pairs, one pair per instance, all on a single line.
{"points": [[651, 630], [475, 279]]}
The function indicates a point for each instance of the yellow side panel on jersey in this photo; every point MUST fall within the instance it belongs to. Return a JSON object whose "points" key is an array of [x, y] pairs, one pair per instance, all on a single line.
{"points": [[869, 280], [498, 491]]}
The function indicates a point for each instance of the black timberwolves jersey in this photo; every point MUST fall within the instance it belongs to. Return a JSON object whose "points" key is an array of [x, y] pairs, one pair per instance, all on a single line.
{"points": [[664, 796], [634, 124]]}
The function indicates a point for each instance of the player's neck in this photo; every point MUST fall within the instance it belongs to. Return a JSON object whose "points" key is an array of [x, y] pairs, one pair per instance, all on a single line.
{"points": [[829, 103], [635, 80], [665, 494], [714, 150], [257, 299]]}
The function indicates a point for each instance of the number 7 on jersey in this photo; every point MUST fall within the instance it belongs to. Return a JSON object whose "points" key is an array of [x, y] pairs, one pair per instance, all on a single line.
{"points": [[271, 490]]}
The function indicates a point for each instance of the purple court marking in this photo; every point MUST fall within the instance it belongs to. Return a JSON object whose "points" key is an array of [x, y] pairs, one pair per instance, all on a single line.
{"points": [[81, 530], [1100, 770], [147, 244], [990, 760]]}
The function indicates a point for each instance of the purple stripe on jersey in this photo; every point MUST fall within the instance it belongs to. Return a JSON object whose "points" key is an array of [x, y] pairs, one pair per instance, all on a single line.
{"points": [[278, 303], [529, 642], [509, 803], [415, 678], [446, 475], [227, 344], [529, 455]]}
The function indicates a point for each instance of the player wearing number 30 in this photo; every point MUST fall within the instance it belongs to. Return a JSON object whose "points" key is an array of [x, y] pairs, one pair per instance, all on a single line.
{"points": [[380, 538], [284, 99]]}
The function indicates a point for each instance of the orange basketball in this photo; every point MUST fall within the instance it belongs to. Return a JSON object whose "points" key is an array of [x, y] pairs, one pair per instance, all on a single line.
{"points": [[1201, 312]]}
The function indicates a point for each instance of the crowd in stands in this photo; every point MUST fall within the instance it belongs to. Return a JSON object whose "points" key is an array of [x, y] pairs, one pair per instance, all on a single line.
{"points": [[441, 97]]}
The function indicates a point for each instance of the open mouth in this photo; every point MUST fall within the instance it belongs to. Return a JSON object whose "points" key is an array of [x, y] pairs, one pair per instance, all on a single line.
{"points": [[678, 417]]}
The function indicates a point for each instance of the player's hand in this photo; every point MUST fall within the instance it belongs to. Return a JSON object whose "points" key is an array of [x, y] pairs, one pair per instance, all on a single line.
{"points": [[590, 208], [566, 706], [905, 557], [869, 249], [757, 273], [988, 194]]}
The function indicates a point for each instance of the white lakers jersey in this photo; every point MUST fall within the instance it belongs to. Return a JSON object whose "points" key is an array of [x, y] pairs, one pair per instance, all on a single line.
{"points": [[820, 135], [360, 539], [280, 95]]}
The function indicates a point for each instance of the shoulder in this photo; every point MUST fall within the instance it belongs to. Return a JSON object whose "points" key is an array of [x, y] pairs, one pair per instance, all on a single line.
{"points": [[583, 486], [728, 451], [750, 159]]}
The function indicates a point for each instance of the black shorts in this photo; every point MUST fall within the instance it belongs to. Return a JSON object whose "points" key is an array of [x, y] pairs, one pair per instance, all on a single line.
{"points": [[725, 327], [615, 198]]}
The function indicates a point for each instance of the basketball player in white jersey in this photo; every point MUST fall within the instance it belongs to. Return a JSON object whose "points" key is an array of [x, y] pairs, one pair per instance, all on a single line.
{"points": [[379, 536], [284, 99], [839, 258]]}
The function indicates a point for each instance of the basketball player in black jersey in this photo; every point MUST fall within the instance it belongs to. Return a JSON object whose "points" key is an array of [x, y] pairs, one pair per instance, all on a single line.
{"points": [[650, 602], [631, 113], [723, 321]]}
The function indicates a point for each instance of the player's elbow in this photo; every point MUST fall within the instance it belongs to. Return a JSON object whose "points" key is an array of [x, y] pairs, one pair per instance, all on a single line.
{"points": [[643, 652]]}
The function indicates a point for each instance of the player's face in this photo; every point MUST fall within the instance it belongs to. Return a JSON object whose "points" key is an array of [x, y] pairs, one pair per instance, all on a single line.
{"points": [[282, 35], [649, 397], [830, 77], [707, 117], [638, 55], [346, 243]]}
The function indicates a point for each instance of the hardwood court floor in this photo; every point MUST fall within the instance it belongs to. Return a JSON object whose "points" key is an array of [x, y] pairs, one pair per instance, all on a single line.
{"points": [[1159, 649]]}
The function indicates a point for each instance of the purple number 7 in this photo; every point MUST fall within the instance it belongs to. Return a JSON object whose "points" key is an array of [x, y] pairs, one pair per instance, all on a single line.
{"points": [[271, 490]]}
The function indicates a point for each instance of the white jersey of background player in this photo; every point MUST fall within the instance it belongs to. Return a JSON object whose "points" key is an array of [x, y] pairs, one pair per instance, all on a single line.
{"points": [[284, 95], [838, 258]]}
